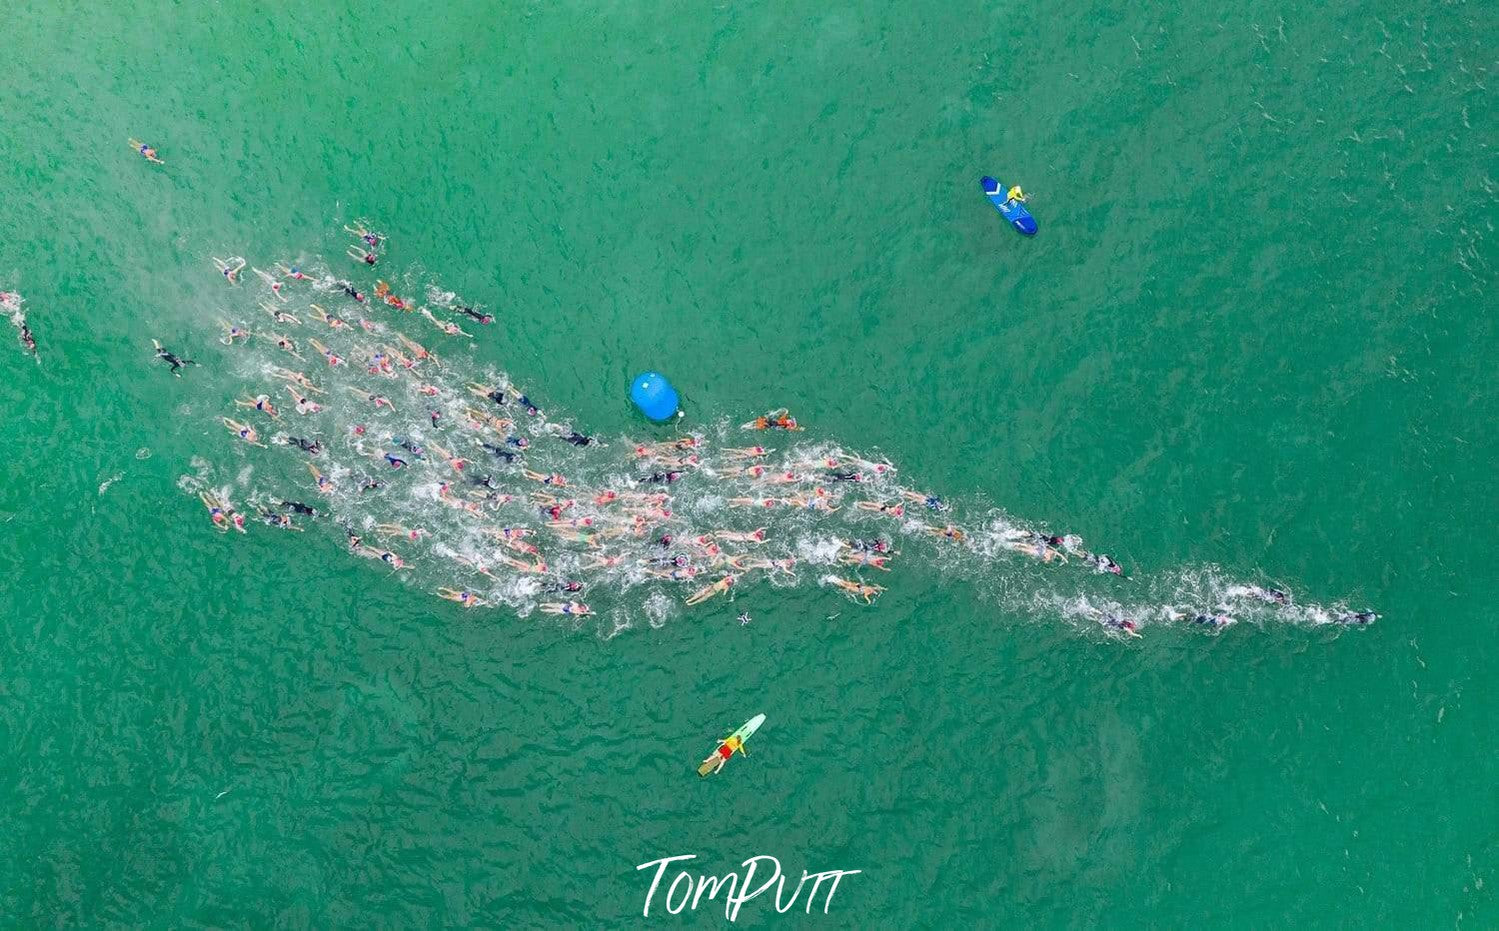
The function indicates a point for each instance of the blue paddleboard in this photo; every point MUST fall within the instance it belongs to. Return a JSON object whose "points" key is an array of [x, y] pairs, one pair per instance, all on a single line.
{"points": [[1014, 210]]}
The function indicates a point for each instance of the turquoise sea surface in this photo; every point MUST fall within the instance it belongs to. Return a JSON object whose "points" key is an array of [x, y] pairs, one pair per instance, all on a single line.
{"points": [[1253, 342]]}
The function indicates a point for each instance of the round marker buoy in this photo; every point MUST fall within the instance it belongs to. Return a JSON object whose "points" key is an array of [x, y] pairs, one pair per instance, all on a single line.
{"points": [[655, 397]]}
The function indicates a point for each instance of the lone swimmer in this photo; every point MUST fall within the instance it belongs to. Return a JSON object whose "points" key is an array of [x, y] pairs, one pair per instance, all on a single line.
{"points": [[171, 358]]}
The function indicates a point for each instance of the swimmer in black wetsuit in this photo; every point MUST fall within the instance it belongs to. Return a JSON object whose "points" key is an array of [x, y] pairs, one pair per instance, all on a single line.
{"points": [[175, 361], [662, 478], [29, 341], [348, 289], [498, 452], [578, 439], [843, 477], [470, 312], [485, 482], [298, 507], [306, 446], [1355, 618], [563, 587]]}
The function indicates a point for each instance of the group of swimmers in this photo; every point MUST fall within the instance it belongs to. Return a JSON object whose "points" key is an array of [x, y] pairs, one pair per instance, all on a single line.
{"points": [[511, 480]]}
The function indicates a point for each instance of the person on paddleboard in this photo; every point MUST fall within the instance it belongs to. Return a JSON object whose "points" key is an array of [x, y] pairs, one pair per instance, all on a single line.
{"points": [[1016, 194], [726, 749]]}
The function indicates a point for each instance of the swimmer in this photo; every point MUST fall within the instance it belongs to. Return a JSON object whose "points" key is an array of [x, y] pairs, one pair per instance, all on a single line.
{"points": [[429, 391], [284, 344], [577, 439], [146, 152], [279, 315], [368, 236], [298, 507], [734, 536], [324, 484], [539, 568], [366, 256], [456, 463], [244, 432], [276, 519], [893, 510], [296, 378], [553, 479], [1016, 195], [775, 420], [23, 332], [176, 362], [748, 452], [780, 478], [417, 350], [866, 559], [857, 589], [874, 468], [467, 599], [383, 292], [595, 561], [754, 502], [224, 516], [230, 267], [832, 477], [380, 365], [559, 588], [1216, 621], [1270, 595], [498, 452], [717, 588], [303, 404], [232, 333], [272, 282], [262, 403], [950, 532], [473, 564], [1036, 551], [479, 420], [1355, 618], [1102, 563], [294, 273], [350, 291], [1115, 621], [749, 471], [333, 322], [675, 574], [661, 478], [470, 312], [930, 502], [452, 329], [373, 398], [813, 503], [395, 562], [396, 530], [484, 391], [370, 326], [406, 444], [334, 359], [312, 447], [869, 546]]}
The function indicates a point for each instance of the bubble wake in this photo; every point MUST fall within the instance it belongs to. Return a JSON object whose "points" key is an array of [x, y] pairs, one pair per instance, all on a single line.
{"points": [[359, 408]]}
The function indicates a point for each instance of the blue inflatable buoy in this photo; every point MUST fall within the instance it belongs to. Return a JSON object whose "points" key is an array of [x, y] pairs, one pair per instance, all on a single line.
{"points": [[655, 396]]}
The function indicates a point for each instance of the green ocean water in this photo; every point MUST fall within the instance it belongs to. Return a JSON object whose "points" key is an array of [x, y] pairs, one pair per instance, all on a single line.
{"points": [[1254, 333]]}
